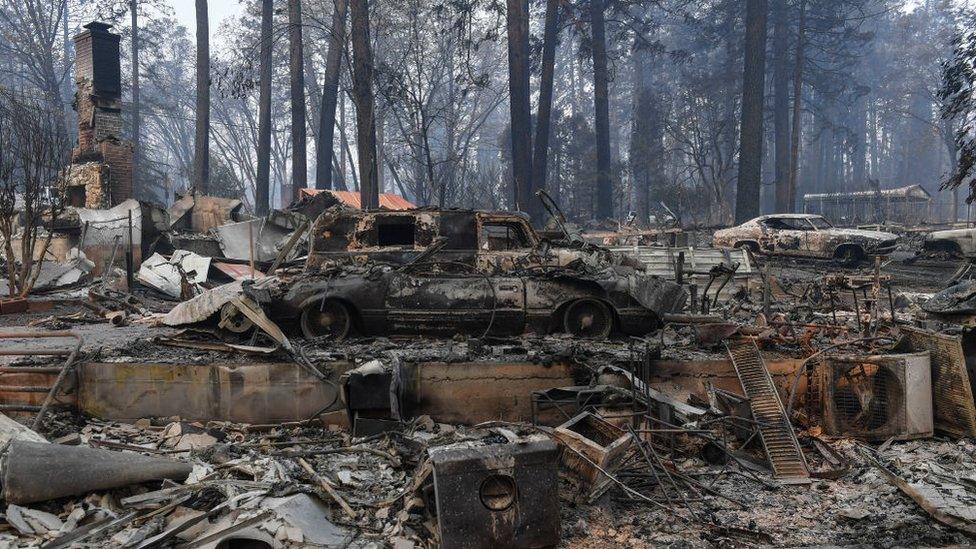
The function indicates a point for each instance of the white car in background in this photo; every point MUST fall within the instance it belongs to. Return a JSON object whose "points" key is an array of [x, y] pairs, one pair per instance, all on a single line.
{"points": [[806, 235]]}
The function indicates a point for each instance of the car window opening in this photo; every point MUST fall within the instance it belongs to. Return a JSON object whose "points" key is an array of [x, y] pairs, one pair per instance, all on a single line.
{"points": [[820, 223], [787, 224], [502, 237], [398, 232]]}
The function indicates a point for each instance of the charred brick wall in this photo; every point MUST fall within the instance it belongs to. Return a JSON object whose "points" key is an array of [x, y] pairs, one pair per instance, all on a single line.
{"points": [[99, 107], [118, 156]]}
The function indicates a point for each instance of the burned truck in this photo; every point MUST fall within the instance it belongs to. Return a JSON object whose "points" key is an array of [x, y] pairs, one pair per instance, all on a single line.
{"points": [[461, 271], [806, 235]]}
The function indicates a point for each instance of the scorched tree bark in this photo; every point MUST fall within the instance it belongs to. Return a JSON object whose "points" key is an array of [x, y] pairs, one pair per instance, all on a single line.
{"points": [[299, 161], [751, 131], [363, 94], [201, 143], [520, 111], [262, 192], [601, 102], [330, 92]]}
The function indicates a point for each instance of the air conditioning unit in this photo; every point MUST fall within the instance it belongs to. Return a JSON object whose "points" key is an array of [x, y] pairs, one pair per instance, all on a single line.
{"points": [[877, 397]]}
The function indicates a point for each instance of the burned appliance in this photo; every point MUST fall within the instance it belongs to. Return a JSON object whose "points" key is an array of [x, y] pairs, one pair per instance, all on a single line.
{"points": [[367, 393], [497, 495], [591, 444], [877, 397]]}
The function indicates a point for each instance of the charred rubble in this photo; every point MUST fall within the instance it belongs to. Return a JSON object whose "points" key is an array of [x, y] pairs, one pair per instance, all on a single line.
{"points": [[453, 378], [324, 376], [407, 377]]}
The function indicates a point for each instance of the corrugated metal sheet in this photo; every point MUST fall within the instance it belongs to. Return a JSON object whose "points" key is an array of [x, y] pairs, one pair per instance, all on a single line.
{"points": [[388, 201], [236, 271], [661, 262], [911, 192]]}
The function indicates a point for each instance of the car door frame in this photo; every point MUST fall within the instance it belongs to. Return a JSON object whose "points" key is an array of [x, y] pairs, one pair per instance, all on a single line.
{"points": [[771, 241], [488, 260], [424, 301]]}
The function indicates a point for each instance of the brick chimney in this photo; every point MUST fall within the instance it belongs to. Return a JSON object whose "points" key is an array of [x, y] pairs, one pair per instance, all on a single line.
{"points": [[102, 161]]}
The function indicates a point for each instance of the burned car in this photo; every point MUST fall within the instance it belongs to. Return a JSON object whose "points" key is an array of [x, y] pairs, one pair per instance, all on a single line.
{"points": [[806, 235], [488, 241], [461, 271], [444, 299], [956, 243]]}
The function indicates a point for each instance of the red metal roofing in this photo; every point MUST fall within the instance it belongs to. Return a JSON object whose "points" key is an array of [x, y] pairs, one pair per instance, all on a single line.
{"points": [[237, 271], [389, 201]]}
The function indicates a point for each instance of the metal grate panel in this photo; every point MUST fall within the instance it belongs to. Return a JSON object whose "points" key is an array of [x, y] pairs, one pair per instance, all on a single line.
{"points": [[952, 393]]}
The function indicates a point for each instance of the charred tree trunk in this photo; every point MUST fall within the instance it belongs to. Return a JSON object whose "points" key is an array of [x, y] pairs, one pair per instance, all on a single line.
{"points": [[781, 105], [520, 110], [330, 94], [380, 152], [797, 104], [262, 188], [647, 137], [601, 104], [543, 119], [751, 130], [136, 115], [363, 93], [859, 129], [201, 144], [299, 159], [343, 145]]}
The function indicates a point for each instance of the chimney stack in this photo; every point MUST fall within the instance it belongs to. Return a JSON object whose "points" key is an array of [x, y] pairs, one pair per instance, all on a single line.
{"points": [[102, 176]]}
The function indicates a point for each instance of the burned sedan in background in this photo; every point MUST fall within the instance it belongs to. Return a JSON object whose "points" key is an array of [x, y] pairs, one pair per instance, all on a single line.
{"points": [[461, 271], [955, 243], [806, 235]]}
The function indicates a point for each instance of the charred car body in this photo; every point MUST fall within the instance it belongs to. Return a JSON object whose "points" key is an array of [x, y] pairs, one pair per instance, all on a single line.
{"points": [[450, 271], [952, 242], [805, 235]]}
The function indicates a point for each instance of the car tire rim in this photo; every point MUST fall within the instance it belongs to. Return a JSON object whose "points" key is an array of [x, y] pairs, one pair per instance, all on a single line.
{"points": [[327, 319], [588, 318]]}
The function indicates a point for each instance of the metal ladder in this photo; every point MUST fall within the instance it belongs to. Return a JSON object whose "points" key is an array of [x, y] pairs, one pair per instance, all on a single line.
{"points": [[782, 448]]}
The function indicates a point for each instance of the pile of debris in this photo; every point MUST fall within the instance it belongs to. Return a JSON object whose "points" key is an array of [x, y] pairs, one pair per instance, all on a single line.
{"points": [[327, 376]]}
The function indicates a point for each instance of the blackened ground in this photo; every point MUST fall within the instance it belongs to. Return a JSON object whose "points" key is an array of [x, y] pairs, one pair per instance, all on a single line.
{"points": [[921, 275], [96, 335], [860, 509]]}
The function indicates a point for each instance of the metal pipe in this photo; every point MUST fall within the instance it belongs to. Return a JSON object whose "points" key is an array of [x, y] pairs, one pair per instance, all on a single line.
{"points": [[129, 257], [32, 352]]}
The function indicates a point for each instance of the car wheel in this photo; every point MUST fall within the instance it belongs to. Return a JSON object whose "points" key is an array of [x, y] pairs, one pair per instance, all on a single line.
{"points": [[329, 318], [588, 318], [849, 256]]}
